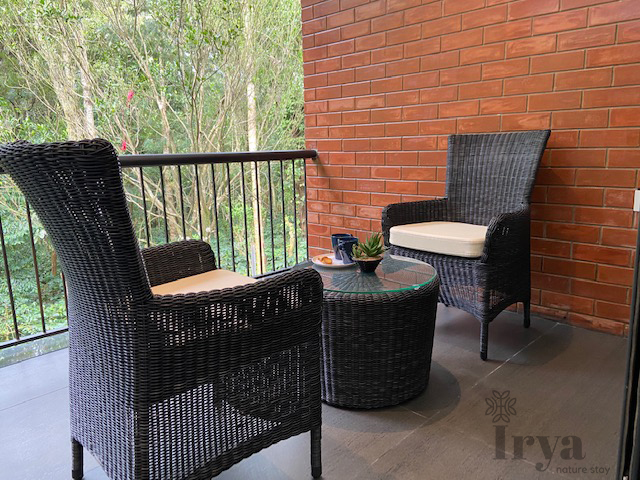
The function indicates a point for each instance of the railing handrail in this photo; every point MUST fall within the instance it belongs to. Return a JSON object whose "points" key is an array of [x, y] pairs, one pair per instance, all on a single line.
{"points": [[175, 159], [256, 159], [168, 159]]}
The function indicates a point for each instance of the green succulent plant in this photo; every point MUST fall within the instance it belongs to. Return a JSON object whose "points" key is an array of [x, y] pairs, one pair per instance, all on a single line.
{"points": [[372, 247]]}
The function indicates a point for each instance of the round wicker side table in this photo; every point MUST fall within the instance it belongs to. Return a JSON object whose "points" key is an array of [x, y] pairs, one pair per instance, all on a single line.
{"points": [[377, 332]]}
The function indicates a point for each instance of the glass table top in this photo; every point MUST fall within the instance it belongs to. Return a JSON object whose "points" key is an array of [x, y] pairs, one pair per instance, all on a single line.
{"points": [[394, 274]]}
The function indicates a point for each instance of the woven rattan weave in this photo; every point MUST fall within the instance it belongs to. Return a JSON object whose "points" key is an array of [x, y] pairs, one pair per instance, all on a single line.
{"points": [[489, 182], [377, 343], [167, 387]]}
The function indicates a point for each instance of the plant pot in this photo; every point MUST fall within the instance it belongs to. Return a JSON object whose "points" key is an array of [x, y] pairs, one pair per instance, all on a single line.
{"points": [[369, 265]]}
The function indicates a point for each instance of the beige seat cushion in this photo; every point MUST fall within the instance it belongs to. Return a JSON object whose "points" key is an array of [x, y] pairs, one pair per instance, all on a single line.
{"points": [[203, 282], [448, 238]]}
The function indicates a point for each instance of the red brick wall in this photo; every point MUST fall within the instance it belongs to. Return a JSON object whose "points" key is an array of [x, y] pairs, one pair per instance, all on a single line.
{"points": [[387, 80]]}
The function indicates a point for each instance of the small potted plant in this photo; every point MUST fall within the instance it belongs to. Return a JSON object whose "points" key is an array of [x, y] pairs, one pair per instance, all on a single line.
{"points": [[368, 254]]}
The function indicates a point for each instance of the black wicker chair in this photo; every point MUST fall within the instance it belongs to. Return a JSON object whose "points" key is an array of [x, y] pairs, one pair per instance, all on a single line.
{"points": [[489, 182], [172, 386]]}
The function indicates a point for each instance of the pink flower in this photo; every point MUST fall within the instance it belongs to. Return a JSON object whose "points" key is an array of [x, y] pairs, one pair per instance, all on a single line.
{"points": [[130, 97], [124, 146]]}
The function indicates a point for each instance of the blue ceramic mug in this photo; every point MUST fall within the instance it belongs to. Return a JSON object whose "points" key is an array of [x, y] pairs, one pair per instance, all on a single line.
{"points": [[334, 243], [345, 245]]}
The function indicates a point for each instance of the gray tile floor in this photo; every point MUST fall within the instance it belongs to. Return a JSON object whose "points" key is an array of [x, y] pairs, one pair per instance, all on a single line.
{"points": [[567, 383]]}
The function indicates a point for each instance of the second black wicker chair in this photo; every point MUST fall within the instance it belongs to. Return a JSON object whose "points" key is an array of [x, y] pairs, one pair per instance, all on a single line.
{"points": [[167, 386], [489, 182]]}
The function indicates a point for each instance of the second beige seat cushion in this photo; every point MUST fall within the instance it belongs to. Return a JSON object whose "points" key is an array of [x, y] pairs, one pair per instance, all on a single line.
{"points": [[203, 282], [447, 238]]}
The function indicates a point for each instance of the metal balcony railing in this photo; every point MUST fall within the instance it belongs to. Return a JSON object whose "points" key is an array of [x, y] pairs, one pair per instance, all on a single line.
{"points": [[251, 207]]}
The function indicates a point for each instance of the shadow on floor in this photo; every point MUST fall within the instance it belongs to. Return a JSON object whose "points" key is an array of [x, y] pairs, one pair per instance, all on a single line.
{"points": [[566, 381]]}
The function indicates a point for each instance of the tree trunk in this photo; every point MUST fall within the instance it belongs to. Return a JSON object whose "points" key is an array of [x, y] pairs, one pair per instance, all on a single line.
{"points": [[252, 137], [169, 146], [62, 82], [87, 101]]}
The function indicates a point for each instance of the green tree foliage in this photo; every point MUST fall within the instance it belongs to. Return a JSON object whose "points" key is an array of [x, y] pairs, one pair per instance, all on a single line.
{"points": [[156, 76]]}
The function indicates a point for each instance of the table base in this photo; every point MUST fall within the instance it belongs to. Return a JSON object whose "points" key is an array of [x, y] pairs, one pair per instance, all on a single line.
{"points": [[377, 347]]}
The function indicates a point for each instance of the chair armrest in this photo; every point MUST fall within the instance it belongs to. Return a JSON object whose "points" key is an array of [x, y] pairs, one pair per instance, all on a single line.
{"points": [[173, 261], [242, 323], [413, 212], [508, 236], [209, 337]]}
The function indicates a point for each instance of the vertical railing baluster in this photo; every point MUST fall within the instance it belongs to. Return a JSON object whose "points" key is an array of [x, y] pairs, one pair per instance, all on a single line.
{"points": [[7, 274], [35, 267], [144, 206], [244, 206], [259, 266], [198, 200], [295, 209], [306, 210], [273, 251], [260, 250], [215, 209], [284, 226], [184, 226], [164, 206], [233, 251]]}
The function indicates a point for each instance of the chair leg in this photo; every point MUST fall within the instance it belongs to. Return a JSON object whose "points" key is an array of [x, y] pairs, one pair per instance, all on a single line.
{"points": [[527, 314], [484, 339], [77, 469], [316, 456]]}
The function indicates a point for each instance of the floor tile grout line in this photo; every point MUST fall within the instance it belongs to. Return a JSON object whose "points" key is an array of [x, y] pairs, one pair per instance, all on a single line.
{"points": [[489, 374], [400, 441], [33, 398], [504, 362], [424, 416]]}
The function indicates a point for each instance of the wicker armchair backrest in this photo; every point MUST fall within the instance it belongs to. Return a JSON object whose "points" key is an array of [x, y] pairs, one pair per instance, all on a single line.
{"points": [[488, 174], [76, 190]]}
